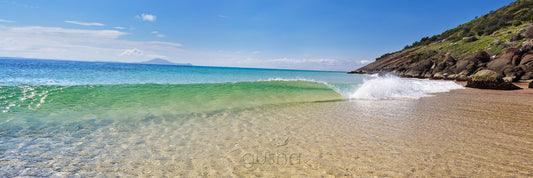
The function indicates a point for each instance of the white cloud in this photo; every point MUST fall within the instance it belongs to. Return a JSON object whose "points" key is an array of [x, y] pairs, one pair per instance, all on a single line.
{"points": [[299, 61], [364, 61], [132, 52], [107, 45], [85, 23], [120, 28], [221, 16], [256, 52], [39, 31], [165, 43], [146, 17], [158, 34], [76, 44], [6, 21]]}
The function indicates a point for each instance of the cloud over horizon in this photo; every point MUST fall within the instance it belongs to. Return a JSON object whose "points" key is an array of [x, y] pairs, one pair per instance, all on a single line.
{"points": [[132, 52], [77, 44], [84, 23], [106, 45], [6, 21]]}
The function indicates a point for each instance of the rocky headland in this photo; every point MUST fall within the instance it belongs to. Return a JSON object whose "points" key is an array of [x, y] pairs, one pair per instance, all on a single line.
{"points": [[499, 43]]}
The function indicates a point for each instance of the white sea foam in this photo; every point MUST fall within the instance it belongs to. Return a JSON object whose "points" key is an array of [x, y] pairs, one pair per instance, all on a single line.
{"points": [[385, 87], [289, 79], [35, 81], [392, 87]]}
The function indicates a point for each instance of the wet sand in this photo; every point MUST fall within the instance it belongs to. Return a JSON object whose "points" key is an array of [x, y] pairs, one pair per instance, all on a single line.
{"points": [[467, 132]]}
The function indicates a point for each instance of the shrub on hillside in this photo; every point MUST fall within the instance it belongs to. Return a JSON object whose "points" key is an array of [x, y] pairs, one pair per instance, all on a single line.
{"points": [[471, 39], [480, 32], [517, 23]]}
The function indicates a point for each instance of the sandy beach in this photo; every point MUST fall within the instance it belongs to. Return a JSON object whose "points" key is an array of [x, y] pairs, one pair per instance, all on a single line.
{"points": [[462, 133], [466, 132], [266, 88], [267, 129]]}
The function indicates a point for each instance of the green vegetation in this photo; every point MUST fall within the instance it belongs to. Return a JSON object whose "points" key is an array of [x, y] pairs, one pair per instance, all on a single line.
{"points": [[514, 14], [495, 32], [423, 55]]}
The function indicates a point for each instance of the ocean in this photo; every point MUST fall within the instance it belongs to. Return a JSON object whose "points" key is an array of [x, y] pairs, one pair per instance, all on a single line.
{"points": [[68, 118]]}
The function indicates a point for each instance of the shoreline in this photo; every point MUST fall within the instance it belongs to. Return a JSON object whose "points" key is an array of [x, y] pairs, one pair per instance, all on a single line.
{"points": [[521, 84]]}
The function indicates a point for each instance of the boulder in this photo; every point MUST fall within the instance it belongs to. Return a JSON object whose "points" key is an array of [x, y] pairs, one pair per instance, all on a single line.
{"points": [[442, 66], [526, 46], [482, 56], [503, 59], [496, 42], [512, 73], [466, 64], [462, 76], [488, 79], [509, 44], [527, 76], [418, 69], [438, 75], [531, 84], [527, 62], [516, 60]]}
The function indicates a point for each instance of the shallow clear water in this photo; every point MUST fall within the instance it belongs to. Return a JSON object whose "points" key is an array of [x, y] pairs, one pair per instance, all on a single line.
{"points": [[69, 118]]}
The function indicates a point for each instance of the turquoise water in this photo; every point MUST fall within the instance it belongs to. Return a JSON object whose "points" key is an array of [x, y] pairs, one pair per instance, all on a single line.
{"points": [[64, 116], [67, 73], [44, 86]]}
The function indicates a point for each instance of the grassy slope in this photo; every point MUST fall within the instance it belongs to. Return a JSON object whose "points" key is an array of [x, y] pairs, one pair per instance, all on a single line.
{"points": [[461, 48], [497, 25]]}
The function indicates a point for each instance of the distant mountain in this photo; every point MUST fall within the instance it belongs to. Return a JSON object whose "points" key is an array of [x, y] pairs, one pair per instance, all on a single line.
{"points": [[164, 62]]}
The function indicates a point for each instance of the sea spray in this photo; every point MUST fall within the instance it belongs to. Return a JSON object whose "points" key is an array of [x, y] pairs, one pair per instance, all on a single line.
{"points": [[393, 87]]}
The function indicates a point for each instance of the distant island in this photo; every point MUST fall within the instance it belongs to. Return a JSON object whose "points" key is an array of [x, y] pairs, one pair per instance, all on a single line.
{"points": [[500, 41], [159, 61]]}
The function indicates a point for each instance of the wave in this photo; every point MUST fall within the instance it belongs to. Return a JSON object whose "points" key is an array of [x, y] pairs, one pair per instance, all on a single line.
{"points": [[159, 98], [137, 99], [393, 87]]}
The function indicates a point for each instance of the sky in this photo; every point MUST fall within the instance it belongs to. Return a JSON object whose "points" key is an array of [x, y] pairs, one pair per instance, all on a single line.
{"points": [[336, 35]]}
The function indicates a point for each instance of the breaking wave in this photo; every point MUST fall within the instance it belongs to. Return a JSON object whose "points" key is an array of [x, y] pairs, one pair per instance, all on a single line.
{"points": [[393, 87]]}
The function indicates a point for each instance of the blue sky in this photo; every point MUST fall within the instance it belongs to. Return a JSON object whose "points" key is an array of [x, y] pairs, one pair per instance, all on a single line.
{"points": [[290, 34]]}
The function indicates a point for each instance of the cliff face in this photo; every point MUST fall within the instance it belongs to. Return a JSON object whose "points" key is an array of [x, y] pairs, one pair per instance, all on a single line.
{"points": [[500, 41]]}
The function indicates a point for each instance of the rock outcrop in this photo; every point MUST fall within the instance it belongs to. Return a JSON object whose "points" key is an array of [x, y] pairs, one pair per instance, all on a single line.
{"points": [[488, 79], [531, 84], [514, 64], [501, 41]]}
